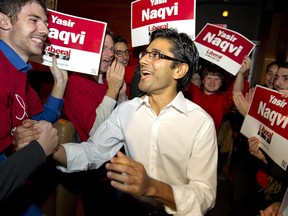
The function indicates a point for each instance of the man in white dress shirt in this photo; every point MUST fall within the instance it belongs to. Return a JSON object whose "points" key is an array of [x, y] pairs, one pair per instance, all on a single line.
{"points": [[170, 164]]}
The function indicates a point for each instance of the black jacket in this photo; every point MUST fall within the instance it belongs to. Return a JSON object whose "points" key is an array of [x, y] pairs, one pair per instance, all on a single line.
{"points": [[16, 168]]}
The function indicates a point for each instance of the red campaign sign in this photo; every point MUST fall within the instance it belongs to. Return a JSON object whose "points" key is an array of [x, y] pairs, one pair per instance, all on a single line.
{"points": [[75, 32], [270, 109], [225, 41], [147, 12]]}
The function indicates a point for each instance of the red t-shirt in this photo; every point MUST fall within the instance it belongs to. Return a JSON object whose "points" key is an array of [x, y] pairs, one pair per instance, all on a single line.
{"points": [[216, 105], [82, 96], [18, 101]]}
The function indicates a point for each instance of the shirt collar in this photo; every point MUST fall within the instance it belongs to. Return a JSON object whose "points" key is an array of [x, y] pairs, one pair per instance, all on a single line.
{"points": [[14, 58], [179, 103]]}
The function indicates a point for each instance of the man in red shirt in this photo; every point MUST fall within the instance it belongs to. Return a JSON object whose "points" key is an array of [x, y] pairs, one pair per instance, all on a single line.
{"points": [[210, 98], [23, 30]]}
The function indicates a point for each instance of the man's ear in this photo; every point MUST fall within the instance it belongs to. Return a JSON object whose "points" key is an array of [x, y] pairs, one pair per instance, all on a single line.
{"points": [[180, 70], [4, 21]]}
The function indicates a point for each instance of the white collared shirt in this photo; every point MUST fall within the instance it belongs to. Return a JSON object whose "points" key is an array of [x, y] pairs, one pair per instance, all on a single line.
{"points": [[178, 147]]}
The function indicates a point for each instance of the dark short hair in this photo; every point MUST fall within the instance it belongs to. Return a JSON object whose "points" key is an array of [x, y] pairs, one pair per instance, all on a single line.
{"points": [[119, 39], [283, 64], [183, 49], [12, 8]]}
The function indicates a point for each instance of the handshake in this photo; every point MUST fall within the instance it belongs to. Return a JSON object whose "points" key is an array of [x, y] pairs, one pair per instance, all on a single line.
{"points": [[42, 131]]}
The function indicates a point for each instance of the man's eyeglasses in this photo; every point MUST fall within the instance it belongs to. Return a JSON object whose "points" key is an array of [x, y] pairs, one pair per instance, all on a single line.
{"points": [[106, 48], [120, 53], [155, 55]]}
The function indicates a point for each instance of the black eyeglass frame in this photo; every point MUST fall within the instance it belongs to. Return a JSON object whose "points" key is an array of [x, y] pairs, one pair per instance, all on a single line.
{"points": [[157, 53], [120, 52]]}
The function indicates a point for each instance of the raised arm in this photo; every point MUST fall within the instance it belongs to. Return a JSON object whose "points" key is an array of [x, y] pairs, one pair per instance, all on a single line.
{"points": [[53, 106], [239, 81]]}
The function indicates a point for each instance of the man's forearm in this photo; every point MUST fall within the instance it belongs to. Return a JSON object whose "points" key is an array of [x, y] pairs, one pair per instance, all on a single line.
{"points": [[162, 192], [60, 156]]}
